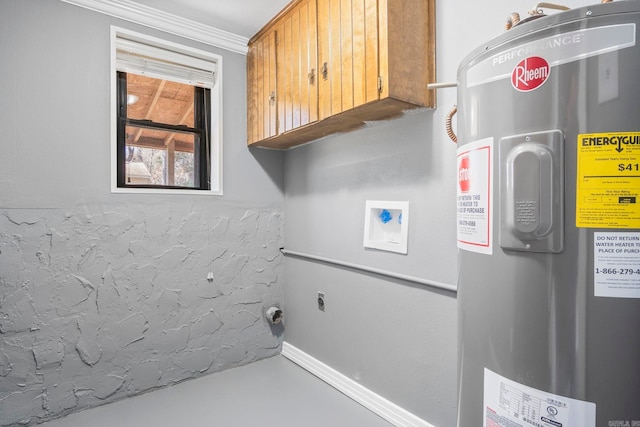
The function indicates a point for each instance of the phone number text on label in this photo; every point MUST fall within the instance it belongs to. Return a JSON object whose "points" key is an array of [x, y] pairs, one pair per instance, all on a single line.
{"points": [[616, 271]]}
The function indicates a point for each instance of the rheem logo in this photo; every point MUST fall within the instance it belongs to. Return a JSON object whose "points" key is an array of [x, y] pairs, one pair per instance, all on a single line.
{"points": [[464, 174], [530, 74]]}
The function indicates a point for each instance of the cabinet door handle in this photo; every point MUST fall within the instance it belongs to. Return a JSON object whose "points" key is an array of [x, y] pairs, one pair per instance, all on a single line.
{"points": [[272, 98], [325, 71], [312, 77]]}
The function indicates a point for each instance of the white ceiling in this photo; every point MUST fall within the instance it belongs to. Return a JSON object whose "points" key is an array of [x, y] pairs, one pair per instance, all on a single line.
{"points": [[241, 17]]}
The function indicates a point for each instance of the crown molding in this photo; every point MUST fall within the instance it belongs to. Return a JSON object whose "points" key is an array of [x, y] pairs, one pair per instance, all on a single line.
{"points": [[140, 14]]}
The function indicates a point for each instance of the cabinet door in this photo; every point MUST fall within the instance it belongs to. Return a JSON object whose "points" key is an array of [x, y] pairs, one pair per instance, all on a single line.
{"points": [[297, 66], [407, 46], [261, 89], [348, 54]]}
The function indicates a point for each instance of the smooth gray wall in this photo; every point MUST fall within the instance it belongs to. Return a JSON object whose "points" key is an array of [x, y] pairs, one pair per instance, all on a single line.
{"points": [[102, 295], [394, 337]]}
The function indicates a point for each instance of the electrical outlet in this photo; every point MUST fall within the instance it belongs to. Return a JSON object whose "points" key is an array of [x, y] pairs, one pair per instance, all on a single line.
{"points": [[321, 301]]}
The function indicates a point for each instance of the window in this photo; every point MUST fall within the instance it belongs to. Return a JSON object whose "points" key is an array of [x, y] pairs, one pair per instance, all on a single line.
{"points": [[167, 120]]}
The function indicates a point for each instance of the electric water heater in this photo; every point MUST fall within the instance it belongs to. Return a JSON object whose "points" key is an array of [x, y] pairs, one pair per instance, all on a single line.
{"points": [[548, 222]]}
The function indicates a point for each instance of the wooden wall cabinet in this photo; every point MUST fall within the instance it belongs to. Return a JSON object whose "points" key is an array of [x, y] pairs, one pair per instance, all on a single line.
{"points": [[261, 88], [336, 65]]}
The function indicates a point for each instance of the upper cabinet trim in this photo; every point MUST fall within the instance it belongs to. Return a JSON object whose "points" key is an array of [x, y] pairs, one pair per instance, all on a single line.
{"points": [[167, 22]]}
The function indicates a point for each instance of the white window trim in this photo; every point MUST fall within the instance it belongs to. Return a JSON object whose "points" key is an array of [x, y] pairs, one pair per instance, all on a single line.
{"points": [[215, 118]]}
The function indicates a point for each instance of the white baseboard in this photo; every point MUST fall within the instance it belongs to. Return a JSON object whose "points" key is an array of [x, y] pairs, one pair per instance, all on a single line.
{"points": [[370, 400]]}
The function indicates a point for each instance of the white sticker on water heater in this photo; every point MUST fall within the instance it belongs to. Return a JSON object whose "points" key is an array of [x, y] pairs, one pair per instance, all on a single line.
{"points": [[475, 196], [616, 264], [511, 404]]}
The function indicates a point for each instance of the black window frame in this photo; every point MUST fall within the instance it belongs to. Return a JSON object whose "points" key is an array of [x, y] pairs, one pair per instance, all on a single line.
{"points": [[202, 129]]}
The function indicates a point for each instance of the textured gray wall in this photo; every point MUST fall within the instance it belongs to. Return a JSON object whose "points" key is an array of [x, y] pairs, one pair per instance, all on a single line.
{"points": [[103, 296]]}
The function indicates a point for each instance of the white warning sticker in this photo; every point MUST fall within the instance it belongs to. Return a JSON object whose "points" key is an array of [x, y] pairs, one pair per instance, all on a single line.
{"points": [[511, 404], [475, 196], [616, 264]]}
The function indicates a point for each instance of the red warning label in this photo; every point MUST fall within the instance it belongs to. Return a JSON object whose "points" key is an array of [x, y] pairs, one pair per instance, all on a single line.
{"points": [[464, 171]]}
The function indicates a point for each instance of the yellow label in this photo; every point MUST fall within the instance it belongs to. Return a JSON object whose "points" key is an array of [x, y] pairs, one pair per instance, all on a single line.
{"points": [[608, 181]]}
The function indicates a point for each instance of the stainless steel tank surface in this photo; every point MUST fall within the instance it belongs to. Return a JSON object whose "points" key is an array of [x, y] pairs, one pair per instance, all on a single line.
{"points": [[549, 223]]}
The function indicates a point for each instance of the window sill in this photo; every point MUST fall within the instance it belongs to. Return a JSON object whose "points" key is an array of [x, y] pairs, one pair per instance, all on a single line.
{"points": [[167, 191]]}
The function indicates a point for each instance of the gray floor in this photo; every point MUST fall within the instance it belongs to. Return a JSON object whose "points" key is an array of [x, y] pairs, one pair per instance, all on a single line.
{"points": [[272, 392]]}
